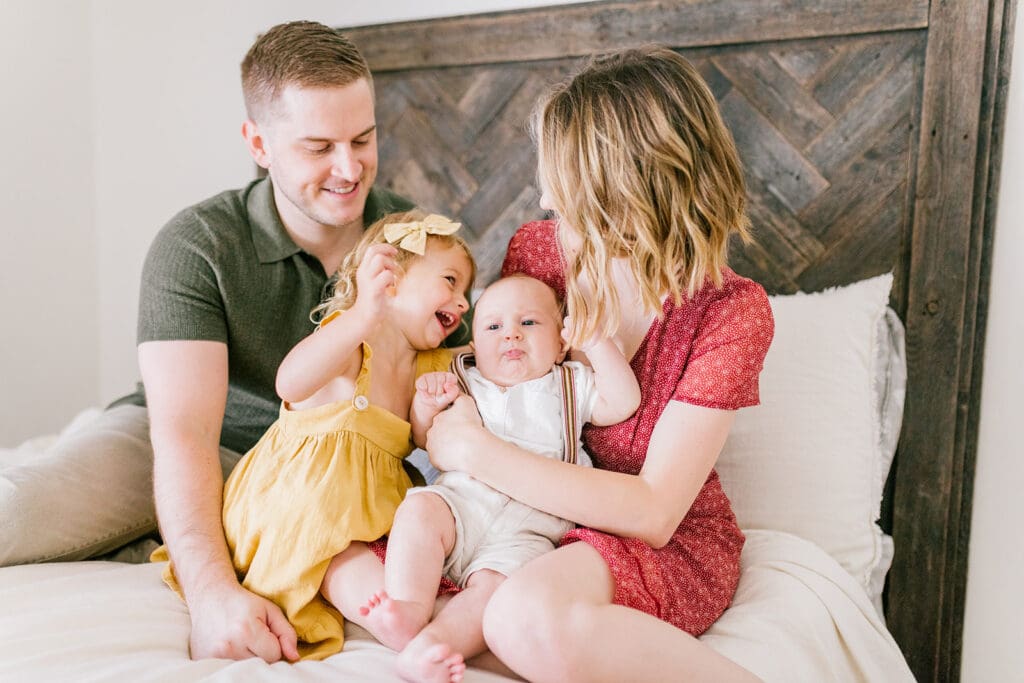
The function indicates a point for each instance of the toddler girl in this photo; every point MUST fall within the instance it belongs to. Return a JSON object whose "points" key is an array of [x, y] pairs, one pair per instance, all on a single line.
{"points": [[329, 472]]}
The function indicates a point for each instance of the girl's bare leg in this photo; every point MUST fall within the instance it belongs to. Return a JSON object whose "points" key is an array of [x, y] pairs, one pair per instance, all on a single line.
{"points": [[553, 620], [437, 654], [352, 574]]}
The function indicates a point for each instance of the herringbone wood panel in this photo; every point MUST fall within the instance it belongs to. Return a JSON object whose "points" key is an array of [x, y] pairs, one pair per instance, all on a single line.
{"points": [[825, 130]]}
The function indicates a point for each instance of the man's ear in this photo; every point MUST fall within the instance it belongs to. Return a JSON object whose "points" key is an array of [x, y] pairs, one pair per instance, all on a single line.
{"points": [[256, 143]]}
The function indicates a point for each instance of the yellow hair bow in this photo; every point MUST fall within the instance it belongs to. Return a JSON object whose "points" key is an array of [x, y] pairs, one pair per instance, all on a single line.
{"points": [[413, 236]]}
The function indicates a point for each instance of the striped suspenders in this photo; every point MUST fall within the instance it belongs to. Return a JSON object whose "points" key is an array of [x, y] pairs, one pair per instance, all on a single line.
{"points": [[570, 433]]}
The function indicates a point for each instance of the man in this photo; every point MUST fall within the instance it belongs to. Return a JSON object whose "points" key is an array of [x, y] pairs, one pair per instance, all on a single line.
{"points": [[227, 288]]}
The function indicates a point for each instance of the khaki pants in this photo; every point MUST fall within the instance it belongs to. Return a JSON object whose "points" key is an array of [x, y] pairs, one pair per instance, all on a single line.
{"points": [[89, 493]]}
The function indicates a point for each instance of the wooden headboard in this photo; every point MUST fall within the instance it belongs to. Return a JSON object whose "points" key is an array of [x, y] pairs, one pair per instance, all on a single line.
{"points": [[870, 133]]}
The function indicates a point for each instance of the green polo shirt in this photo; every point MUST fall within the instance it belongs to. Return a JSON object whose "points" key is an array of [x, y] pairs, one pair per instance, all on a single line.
{"points": [[226, 270]]}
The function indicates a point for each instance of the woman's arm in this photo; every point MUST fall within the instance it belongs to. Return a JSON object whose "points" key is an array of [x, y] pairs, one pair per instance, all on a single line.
{"points": [[618, 392], [650, 505], [333, 349]]}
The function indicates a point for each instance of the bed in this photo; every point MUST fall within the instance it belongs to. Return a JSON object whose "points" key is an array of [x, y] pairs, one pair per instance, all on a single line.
{"points": [[870, 134]]}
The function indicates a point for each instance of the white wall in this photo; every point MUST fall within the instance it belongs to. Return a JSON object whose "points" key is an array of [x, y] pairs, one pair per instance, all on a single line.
{"points": [[994, 624], [48, 287], [117, 113]]}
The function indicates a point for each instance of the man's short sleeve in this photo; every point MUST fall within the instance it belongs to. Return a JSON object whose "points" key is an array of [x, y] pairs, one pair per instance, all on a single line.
{"points": [[179, 298]]}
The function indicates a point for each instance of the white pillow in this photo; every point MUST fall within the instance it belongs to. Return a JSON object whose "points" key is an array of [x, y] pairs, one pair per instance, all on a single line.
{"points": [[813, 457]]}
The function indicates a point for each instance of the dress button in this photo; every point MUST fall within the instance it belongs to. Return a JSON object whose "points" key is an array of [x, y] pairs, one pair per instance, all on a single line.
{"points": [[360, 402]]}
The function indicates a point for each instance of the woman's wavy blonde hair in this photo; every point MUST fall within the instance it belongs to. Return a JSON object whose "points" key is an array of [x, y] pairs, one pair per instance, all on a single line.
{"points": [[636, 159], [341, 291]]}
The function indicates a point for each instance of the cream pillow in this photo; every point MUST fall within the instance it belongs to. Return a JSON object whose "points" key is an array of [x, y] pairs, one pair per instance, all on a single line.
{"points": [[813, 457]]}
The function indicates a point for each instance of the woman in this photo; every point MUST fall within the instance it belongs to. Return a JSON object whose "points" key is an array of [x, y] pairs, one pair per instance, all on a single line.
{"points": [[638, 167]]}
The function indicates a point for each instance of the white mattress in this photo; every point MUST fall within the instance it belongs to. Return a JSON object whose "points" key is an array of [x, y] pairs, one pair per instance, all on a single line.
{"points": [[797, 616]]}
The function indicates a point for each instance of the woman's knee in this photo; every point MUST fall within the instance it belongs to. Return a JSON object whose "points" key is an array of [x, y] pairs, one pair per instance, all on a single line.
{"points": [[539, 623], [524, 616], [535, 633]]}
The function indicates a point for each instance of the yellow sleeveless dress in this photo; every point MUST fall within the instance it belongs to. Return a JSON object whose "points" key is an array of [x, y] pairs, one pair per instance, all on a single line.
{"points": [[317, 480]]}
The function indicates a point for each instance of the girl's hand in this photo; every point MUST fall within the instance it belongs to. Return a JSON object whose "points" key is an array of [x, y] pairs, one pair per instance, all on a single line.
{"points": [[457, 434], [438, 388], [375, 280]]}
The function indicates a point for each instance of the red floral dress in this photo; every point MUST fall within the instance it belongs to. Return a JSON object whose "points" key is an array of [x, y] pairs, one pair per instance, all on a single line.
{"points": [[706, 352]]}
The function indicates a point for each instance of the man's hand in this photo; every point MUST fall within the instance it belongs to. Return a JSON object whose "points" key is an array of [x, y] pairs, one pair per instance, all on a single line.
{"points": [[236, 624]]}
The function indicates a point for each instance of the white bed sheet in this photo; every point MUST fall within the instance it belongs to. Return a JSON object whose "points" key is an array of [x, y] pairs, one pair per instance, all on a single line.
{"points": [[797, 616]]}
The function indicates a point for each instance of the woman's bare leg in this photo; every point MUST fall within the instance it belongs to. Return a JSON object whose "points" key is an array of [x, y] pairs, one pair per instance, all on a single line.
{"points": [[553, 620]]}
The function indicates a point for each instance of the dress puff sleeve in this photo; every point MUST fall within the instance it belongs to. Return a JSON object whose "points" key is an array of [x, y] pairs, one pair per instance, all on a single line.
{"points": [[729, 348]]}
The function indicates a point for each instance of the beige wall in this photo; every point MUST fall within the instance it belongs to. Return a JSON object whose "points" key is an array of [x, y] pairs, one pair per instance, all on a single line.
{"points": [[48, 247], [117, 113]]}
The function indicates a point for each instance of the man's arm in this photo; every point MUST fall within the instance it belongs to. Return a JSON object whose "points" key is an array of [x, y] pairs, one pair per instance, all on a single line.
{"points": [[186, 391]]}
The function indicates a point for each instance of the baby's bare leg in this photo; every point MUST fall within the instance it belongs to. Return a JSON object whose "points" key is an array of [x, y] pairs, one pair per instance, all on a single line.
{"points": [[422, 536], [437, 654]]}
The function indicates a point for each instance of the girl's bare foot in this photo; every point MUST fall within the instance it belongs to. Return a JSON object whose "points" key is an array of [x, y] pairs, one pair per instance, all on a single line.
{"points": [[427, 661], [394, 622]]}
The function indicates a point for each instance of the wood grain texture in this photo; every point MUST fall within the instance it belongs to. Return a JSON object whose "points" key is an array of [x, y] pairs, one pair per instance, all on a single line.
{"points": [[576, 30], [827, 183], [966, 61], [870, 136]]}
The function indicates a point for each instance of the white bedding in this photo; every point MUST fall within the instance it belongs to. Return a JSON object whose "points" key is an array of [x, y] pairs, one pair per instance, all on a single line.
{"points": [[797, 616]]}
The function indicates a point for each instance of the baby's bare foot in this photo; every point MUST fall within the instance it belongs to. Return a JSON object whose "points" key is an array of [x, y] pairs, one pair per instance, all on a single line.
{"points": [[393, 622], [427, 661]]}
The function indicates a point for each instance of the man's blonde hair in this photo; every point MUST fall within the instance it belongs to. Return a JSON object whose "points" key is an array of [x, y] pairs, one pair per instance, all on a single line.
{"points": [[637, 160], [342, 288], [301, 53]]}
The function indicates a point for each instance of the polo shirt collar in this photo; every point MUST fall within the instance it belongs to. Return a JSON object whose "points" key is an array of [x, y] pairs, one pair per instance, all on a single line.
{"points": [[268, 234]]}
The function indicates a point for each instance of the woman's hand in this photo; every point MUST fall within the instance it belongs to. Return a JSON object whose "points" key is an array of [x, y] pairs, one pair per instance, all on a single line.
{"points": [[456, 435]]}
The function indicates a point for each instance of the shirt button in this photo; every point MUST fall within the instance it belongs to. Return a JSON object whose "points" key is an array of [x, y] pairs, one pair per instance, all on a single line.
{"points": [[360, 402]]}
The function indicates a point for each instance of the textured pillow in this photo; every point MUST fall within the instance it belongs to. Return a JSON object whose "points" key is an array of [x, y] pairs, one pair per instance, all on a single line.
{"points": [[812, 459]]}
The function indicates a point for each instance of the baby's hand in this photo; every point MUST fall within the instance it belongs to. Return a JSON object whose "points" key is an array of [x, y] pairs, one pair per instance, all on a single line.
{"points": [[439, 388], [597, 343], [567, 331]]}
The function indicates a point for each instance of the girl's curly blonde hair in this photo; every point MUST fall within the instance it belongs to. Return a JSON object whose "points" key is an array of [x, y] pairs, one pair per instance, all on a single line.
{"points": [[341, 290], [636, 159]]}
